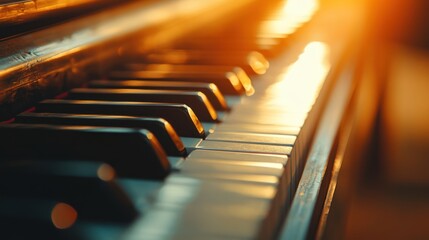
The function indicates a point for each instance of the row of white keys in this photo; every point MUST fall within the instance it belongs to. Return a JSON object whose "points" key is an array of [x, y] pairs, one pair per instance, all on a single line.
{"points": [[237, 184]]}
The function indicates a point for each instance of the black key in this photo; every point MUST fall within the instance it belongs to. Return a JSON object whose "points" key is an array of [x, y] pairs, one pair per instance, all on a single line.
{"points": [[195, 100], [87, 186], [132, 152], [180, 116], [25, 218], [209, 89], [252, 62], [200, 69], [228, 83], [162, 130]]}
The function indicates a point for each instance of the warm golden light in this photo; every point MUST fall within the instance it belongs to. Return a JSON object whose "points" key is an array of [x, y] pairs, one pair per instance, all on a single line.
{"points": [[257, 62], [175, 56], [262, 192], [247, 163], [293, 92], [299, 10], [63, 216], [233, 79], [106, 172], [245, 80], [288, 18], [298, 86]]}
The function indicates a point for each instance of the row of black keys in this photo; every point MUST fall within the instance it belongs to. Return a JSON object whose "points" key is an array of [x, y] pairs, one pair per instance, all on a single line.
{"points": [[79, 127], [165, 113]]}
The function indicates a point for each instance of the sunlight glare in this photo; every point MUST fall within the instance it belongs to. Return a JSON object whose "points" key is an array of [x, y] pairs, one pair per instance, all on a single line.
{"points": [[298, 86], [288, 18]]}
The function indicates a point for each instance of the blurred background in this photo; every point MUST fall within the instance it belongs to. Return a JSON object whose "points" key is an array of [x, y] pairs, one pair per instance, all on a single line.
{"points": [[383, 187]]}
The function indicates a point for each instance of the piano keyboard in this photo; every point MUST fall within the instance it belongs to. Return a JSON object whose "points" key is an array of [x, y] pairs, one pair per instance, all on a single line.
{"points": [[186, 142]]}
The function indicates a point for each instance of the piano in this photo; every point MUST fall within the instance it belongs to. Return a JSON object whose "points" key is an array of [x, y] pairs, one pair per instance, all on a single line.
{"points": [[208, 120]]}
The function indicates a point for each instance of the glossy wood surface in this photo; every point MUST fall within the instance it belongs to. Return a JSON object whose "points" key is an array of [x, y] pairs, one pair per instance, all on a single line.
{"points": [[44, 63]]}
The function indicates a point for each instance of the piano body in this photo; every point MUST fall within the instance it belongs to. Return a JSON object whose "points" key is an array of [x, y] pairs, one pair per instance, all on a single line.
{"points": [[211, 120]]}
